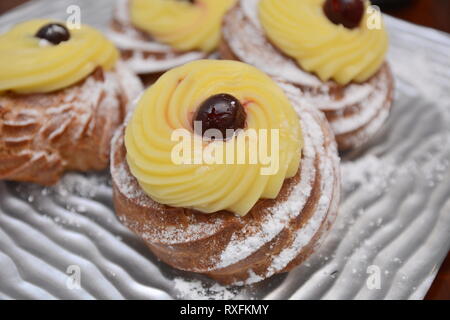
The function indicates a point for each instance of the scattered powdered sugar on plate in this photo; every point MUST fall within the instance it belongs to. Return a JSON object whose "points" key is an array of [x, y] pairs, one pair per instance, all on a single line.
{"points": [[197, 290], [377, 174], [426, 83], [85, 185], [368, 171]]}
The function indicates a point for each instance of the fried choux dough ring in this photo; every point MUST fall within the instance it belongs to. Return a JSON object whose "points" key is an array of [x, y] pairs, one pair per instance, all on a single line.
{"points": [[60, 100], [339, 70], [226, 220]]}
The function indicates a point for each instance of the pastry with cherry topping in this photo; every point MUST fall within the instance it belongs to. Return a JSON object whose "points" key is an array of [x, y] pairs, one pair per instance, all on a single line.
{"points": [[63, 93], [157, 35], [332, 50], [223, 172]]}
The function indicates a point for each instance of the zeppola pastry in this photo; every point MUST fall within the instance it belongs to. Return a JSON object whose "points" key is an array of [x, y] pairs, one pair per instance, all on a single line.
{"points": [[332, 50], [157, 35], [224, 172], [62, 94]]}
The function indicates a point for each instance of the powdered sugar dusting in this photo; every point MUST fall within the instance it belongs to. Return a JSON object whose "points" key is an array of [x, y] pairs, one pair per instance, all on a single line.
{"points": [[371, 107], [327, 204], [193, 232], [249, 7], [281, 215], [85, 185], [368, 171], [131, 85], [142, 64], [252, 46], [126, 186], [196, 290], [121, 173]]}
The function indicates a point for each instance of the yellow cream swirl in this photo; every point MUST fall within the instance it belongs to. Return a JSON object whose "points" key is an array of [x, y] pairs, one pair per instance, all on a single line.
{"points": [[183, 25], [29, 65], [170, 105], [302, 31]]}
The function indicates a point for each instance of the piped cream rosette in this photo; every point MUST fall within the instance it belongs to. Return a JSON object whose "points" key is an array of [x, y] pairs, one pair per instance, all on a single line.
{"points": [[181, 24], [302, 31], [168, 108], [29, 64]]}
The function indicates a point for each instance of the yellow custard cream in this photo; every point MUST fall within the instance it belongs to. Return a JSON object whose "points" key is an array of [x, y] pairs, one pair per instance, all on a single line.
{"points": [[302, 31], [182, 24], [29, 64], [165, 113]]}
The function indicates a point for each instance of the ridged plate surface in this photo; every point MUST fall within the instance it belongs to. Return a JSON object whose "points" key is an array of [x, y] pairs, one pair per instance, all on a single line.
{"points": [[390, 238]]}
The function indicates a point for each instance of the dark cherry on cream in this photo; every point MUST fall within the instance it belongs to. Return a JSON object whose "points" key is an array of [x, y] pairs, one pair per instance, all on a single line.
{"points": [[54, 33], [349, 13], [221, 112]]}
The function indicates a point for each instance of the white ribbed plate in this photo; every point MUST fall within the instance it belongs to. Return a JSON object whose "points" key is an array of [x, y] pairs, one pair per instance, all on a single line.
{"points": [[394, 216]]}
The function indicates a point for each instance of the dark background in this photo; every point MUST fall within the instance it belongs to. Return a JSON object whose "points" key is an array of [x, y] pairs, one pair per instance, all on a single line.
{"points": [[430, 13]]}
